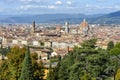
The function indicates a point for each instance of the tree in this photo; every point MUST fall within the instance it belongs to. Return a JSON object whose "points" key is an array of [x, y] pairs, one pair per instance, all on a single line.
{"points": [[42, 43], [27, 71], [110, 45], [85, 63], [38, 67], [15, 59], [4, 71], [88, 46], [51, 75], [89, 43], [115, 52], [117, 45], [10, 69]]}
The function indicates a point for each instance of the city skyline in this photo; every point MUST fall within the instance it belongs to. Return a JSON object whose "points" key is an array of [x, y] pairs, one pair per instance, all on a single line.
{"points": [[58, 6]]}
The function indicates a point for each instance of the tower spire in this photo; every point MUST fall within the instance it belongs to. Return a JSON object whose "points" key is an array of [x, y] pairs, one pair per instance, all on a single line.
{"points": [[33, 27], [84, 20]]}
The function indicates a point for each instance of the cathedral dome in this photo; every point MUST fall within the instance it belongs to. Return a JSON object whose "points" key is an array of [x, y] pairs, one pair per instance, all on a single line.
{"points": [[84, 24]]}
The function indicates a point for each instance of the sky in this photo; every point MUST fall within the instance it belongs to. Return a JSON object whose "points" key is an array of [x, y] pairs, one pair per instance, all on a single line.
{"points": [[58, 6]]}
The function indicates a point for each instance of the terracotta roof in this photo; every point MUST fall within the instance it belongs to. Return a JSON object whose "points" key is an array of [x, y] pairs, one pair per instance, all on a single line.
{"points": [[84, 23], [58, 27]]}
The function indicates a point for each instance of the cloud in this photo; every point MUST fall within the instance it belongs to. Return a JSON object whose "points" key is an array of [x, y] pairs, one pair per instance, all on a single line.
{"points": [[70, 7], [69, 2], [117, 6], [8, 0], [58, 2], [51, 7], [1, 10], [44, 6], [98, 7], [102, 0], [28, 1], [28, 7]]}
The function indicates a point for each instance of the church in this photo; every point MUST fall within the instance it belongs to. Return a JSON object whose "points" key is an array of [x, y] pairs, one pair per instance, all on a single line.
{"points": [[83, 28]]}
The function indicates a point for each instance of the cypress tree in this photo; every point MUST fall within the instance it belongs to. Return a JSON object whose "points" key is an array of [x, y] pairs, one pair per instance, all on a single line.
{"points": [[27, 71], [110, 45]]}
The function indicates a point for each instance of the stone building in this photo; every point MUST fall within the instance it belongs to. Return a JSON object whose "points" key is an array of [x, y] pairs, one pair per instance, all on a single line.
{"points": [[84, 27], [67, 29], [33, 28]]}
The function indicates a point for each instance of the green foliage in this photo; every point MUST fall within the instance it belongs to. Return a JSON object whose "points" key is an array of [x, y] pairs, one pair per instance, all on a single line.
{"points": [[4, 71], [89, 46], [11, 69], [55, 59], [89, 43], [38, 68], [110, 45], [117, 77], [13, 64], [117, 45], [42, 43], [86, 76], [85, 63], [115, 54], [53, 72], [15, 56], [115, 51], [51, 75], [27, 71]]}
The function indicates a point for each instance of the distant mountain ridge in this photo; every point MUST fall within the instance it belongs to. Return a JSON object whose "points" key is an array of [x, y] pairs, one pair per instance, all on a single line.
{"points": [[111, 18]]}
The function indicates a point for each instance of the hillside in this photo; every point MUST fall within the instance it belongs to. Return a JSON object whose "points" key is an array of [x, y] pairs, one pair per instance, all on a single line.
{"points": [[46, 18], [42, 18], [111, 18]]}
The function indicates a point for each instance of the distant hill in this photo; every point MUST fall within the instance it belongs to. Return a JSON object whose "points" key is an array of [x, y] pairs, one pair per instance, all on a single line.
{"points": [[111, 18], [43, 18]]}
